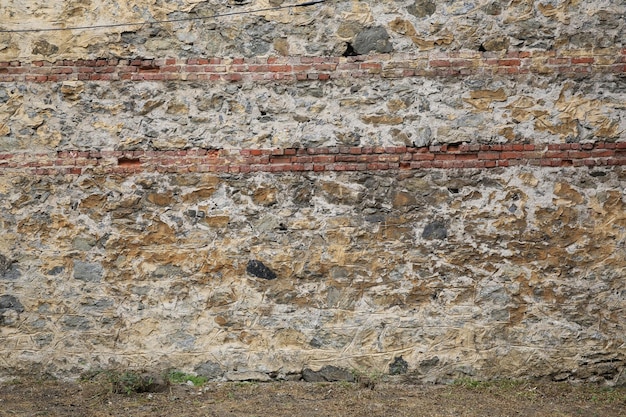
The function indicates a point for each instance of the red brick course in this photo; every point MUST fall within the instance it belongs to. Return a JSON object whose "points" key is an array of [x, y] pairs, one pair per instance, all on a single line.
{"points": [[292, 69], [465, 156]]}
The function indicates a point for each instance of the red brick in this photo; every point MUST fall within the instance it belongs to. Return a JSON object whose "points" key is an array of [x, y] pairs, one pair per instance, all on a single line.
{"points": [[583, 60], [466, 156], [558, 61], [556, 154], [439, 63], [346, 158], [280, 68], [371, 66], [509, 62], [388, 158], [489, 155], [578, 154], [323, 159], [602, 153]]}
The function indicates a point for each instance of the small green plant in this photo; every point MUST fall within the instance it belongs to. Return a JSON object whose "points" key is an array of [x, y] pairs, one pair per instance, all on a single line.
{"points": [[608, 395], [471, 383], [345, 384], [368, 379], [178, 377], [519, 387], [128, 382]]}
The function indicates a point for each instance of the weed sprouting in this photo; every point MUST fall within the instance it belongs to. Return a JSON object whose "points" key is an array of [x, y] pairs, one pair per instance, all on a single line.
{"points": [[178, 377]]}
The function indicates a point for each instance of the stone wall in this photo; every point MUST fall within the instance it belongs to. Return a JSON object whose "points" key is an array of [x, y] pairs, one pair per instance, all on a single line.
{"points": [[424, 187]]}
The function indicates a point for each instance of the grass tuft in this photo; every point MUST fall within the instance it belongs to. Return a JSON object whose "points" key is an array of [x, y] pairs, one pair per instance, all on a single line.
{"points": [[178, 377]]}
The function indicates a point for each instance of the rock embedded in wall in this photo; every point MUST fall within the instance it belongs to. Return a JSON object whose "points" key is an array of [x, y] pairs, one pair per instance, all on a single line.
{"points": [[322, 29], [422, 188], [511, 263]]}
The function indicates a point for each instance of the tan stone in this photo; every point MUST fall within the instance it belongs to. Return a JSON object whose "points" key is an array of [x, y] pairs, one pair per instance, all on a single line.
{"points": [[265, 196], [215, 221], [161, 199], [384, 119]]}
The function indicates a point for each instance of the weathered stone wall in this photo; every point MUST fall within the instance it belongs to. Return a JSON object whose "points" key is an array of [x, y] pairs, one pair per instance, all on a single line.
{"points": [[430, 187]]}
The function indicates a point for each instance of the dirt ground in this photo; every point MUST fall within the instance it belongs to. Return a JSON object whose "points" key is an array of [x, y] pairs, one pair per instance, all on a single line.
{"points": [[30, 397]]}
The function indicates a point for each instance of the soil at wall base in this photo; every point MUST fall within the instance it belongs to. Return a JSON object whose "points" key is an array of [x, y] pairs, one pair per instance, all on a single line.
{"points": [[30, 397]]}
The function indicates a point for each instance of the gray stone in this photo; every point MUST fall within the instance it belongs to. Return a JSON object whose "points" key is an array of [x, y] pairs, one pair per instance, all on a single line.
{"points": [[5, 264], [8, 270], [56, 270], [422, 8], [435, 230], [424, 137], [88, 271], [494, 8], [9, 302], [209, 369], [399, 366], [83, 244], [372, 39], [426, 364], [167, 271], [328, 373], [76, 322]]}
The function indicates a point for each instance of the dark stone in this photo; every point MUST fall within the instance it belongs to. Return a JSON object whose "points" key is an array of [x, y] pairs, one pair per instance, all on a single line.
{"points": [[259, 270], [399, 366], [9, 302], [435, 230], [315, 343], [76, 322], [43, 47], [88, 271], [5, 264], [210, 370], [349, 50], [256, 47], [8, 271], [372, 39], [56, 270], [328, 373], [429, 363], [493, 8], [422, 8], [167, 271]]}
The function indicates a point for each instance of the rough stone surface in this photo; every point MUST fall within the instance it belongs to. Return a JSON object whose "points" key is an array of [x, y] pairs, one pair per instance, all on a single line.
{"points": [[87, 271], [327, 373], [400, 112], [210, 370], [317, 30], [512, 271], [372, 39], [531, 269]]}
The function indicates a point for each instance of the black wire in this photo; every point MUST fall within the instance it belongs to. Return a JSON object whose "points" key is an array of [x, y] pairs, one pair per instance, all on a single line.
{"points": [[186, 19]]}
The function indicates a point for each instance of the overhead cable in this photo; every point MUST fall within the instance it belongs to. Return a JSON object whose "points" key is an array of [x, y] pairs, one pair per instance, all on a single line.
{"points": [[185, 19]]}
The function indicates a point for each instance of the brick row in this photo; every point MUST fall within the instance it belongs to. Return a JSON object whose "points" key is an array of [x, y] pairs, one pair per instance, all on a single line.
{"points": [[460, 63], [342, 158]]}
